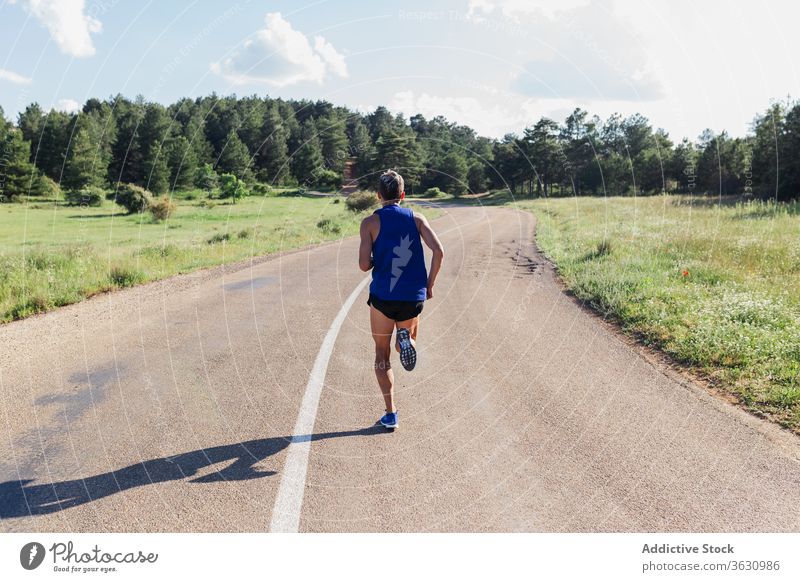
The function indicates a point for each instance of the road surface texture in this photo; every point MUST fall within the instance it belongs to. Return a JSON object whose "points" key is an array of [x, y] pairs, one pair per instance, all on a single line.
{"points": [[173, 407]]}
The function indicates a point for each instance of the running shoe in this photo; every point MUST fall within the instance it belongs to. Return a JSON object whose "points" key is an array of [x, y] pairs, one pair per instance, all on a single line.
{"points": [[389, 420], [408, 354]]}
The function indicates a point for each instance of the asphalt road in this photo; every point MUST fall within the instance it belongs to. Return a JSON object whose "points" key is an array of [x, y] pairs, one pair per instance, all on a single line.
{"points": [[173, 407]]}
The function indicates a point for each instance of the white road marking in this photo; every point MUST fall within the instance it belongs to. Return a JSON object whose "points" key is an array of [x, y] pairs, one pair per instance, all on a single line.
{"points": [[289, 502]]}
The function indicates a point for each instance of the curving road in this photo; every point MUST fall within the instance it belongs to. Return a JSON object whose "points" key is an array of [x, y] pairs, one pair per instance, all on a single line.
{"points": [[181, 406]]}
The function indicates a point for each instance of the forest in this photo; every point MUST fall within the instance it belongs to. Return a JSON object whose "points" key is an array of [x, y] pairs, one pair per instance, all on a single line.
{"points": [[277, 142]]}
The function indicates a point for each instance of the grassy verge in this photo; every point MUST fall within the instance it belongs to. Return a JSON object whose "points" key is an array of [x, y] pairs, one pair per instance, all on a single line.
{"points": [[53, 255], [714, 286]]}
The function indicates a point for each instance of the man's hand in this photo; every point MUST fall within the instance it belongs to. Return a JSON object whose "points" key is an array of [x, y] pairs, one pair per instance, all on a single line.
{"points": [[430, 292]]}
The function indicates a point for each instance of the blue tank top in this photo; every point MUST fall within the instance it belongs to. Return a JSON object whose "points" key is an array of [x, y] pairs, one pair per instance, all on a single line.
{"points": [[398, 272]]}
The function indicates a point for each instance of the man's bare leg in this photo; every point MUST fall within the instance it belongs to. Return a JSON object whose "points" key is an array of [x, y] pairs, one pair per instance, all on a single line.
{"points": [[382, 328]]}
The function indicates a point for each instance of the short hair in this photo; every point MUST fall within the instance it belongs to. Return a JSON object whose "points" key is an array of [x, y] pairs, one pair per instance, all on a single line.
{"points": [[390, 185]]}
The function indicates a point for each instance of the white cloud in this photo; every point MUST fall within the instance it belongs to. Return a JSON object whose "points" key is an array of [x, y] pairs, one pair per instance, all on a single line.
{"points": [[332, 58], [491, 120], [68, 24], [478, 9], [577, 48], [12, 77], [67, 106], [279, 55]]}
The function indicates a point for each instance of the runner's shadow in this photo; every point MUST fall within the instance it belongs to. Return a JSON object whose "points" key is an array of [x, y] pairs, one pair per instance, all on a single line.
{"points": [[21, 499]]}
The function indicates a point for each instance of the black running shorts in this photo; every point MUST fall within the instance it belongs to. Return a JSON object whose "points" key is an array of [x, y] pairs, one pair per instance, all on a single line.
{"points": [[396, 310]]}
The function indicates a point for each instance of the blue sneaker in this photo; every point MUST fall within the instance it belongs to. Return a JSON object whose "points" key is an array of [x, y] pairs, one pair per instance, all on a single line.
{"points": [[408, 354], [389, 420]]}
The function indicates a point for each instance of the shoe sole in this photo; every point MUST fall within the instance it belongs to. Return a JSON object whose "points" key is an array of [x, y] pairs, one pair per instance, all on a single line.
{"points": [[408, 354], [390, 425]]}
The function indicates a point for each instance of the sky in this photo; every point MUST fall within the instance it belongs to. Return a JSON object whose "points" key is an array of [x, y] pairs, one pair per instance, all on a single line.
{"points": [[495, 65]]}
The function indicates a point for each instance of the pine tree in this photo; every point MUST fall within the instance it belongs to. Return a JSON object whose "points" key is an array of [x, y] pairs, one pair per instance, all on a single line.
{"points": [[189, 116], [361, 148], [151, 137], [16, 171], [31, 122], [235, 158], [398, 151], [476, 178], [53, 144], [182, 162], [290, 124], [127, 162], [307, 160], [221, 119], [274, 159], [454, 170], [81, 168], [103, 131], [251, 127], [790, 182], [767, 159], [333, 137]]}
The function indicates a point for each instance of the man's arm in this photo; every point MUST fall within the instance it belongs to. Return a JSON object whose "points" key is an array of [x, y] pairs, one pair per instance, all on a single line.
{"points": [[433, 242], [365, 249]]}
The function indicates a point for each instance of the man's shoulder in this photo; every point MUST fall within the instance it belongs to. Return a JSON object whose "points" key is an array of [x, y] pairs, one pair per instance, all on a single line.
{"points": [[419, 217], [371, 222]]}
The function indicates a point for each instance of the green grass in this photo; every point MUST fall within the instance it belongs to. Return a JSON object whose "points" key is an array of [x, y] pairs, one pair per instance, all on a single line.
{"points": [[713, 285], [53, 255]]}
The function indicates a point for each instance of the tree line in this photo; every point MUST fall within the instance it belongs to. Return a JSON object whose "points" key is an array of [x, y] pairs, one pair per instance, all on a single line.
{"points": [[190, 143]]}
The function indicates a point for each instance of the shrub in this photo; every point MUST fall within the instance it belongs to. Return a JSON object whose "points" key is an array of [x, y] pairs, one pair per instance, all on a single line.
{"points": [[432, 193], [604, 248], [124, 277], [89, 196], [232, 187], [262, 189], [476, 178], [328, 178], [133, 198], [245, 233], [329, 226], [162, 208], [361, 200], [45, 187], [207, 204], [207, 178], [218, 238]]}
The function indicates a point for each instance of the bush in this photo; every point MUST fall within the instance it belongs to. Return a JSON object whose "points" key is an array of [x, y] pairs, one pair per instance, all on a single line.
{"points": [[432, 193], [232, 187], [89, 196], [329, 226], [476, 178], [328, 178], [218, 238], [262, 189], [45, 187], [133, 198], [162, 208], [361, 200], [124, 277], [207, 178]]}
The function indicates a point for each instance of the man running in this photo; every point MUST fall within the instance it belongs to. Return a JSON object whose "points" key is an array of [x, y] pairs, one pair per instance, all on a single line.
{"points": [[391, 247]]}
